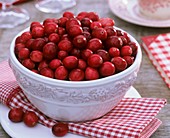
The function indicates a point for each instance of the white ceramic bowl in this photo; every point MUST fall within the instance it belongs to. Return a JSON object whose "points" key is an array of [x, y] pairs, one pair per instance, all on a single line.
{"points": [[74, 101]]}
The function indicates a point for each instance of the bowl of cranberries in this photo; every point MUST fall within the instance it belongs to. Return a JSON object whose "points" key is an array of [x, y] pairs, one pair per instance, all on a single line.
{"points": [[76, 67]]}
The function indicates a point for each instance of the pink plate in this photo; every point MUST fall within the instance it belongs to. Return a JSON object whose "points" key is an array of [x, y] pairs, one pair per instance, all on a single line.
{"points": [[128, 10]]}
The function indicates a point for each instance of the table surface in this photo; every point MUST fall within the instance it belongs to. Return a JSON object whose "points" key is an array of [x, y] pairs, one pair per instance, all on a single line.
{"points": [[149, 83]]}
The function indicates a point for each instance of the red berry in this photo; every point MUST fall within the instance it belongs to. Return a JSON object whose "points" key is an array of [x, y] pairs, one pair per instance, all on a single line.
{"points": [[62, 21], [114, 52], [36, 56], [126, 51], [61, 31], [93, 16], [62, 54], [104, 54], [47, 72], [54, 37], [120, 63], [23, 53], [86, 22], [65, 45], [49, 51], [91, 73], [38, 44], [68, 14], [95, 61], [81, 64], [16, 115], [50, 28], [95, 25], [80, 41], [99, 33], [129, 60], [86, 53], [107, 69], [87, 35], [71, 22], [30, 119], [18, 46], [37, 32], [29, 43], [60, 129], [75, 30], [42, 64], [54, 64], [26, 36], [61, 73], [28, 63], [35, 24], [111, 31], [76, 75], [94, 44], [106, 22], [113, 41], [75, 52], [134, 47], [70, 62]]}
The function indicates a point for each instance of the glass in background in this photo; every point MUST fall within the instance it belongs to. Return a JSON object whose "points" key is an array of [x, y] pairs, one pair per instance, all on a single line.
{"points": [[54, 6], [11, 16]]}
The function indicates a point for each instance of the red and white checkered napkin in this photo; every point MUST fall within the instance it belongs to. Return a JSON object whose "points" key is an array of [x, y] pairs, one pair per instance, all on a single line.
{"points": [[133, 117], [157, 48]]}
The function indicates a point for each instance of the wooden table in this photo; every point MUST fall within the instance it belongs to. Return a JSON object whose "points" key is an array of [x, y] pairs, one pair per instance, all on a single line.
{"points": [[149, 83]]}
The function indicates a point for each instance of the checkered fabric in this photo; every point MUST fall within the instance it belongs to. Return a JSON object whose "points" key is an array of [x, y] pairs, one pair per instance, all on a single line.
{"points": [[158, 50], [131, 118]]}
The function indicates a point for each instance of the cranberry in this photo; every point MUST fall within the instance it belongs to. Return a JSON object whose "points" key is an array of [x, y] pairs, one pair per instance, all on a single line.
{"points": [[65, 37], [75, 30], [62, 54], [47, 72], [82, 15], [87, 35], [106, 22], [81, 64], [93, 16], [104, 54], [80, 41], [120, 63], [86, 53], [70, 62], [61, 73], [26, 36], [29, 43], [16, 115], [95, 25], [114, 41], [86, 29], [114, 52], [35, 71], [126, 51], [55, 63], [37, 32], [94, 44], [35, 24], [28, 63], [36, 56], [134, 47], [61, 31], [18, 47], [38, 44], [50, 28], [30, 119], [107, 69], [129, 60], [68, 14], [95, 61], [49, 51], [111, 31], [60, 129], [18, 40], [42, 64], [48, 20], [65, 45], [91, 73], [62, 21], [75, 52], [124, 40], [76, 75], [71, 22], [86, 22], [99, 33], [54, 37]]}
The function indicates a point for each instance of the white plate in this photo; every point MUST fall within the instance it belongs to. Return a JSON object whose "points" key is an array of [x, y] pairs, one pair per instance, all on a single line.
{"points": [[128, 10], [19, 130]]}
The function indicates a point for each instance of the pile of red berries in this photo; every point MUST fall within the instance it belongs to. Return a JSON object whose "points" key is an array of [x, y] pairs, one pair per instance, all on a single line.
{"points": [[75, 48]]}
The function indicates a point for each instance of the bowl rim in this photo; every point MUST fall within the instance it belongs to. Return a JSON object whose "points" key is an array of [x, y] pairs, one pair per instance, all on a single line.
{"points": [[65, 83]]}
